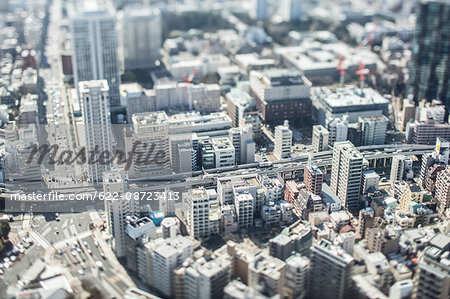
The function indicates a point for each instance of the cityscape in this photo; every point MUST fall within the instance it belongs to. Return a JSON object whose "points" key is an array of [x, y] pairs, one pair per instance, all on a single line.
{"points": [[207, 149]]}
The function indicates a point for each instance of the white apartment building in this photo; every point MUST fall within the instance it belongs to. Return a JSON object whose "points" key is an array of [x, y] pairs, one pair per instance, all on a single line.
{"points": [[206, 280], [346, 173], [401, 168], [97, 123], [373, 129], [244, 203], [243, 143], [283, 141], [297, 269], [115, 182], [320, 138], [166, 258], [338, 129], [198, 212], [95, 51], [224, 152]]}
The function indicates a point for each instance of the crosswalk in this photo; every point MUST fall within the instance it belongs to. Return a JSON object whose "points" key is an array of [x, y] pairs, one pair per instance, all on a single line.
{"points": [[39, 239], [46, 231]]}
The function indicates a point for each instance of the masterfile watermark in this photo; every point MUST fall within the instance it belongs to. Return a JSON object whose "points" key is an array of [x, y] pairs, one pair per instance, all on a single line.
{"points": [[52, 155]]}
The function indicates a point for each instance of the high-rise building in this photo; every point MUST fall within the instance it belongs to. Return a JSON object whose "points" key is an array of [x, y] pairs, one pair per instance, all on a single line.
{"points": [[432, 279], [346, 174], [292, 10], [95, 51], [443, 190], [117, 211], [320, 138], [94, 96], [283, 141], [200, 211], [296, 272], [338, 129], [401, 168], [140, 37], [208, 279], [243, 144], [331, 264], [165, 259], [313, 179], [373, 129], [281, 94], [267, 274], [430, 71], [224, 152], [259, 10], [148, 140], [244, 203]]}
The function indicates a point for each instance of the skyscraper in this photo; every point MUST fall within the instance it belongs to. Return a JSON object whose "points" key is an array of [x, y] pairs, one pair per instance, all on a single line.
{"points": [[94, 97], [259, 10], [95, 51], [117, 211], [346, 173], [430, 69], [330, 272], [292, 10], [140, 38]]}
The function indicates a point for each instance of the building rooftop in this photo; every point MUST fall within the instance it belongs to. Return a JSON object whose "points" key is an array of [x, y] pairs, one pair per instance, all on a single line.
{"points": [[348, 96]]}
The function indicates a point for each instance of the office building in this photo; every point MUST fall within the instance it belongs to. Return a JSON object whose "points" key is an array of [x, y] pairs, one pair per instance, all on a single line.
{"points": [[259, 10], [331, 264], [243, 144], [313, 179], [297, 271], [429, 73], [140, 37], [117, 211], [443, 190], [95, 51], [373, 130], [346, 174], [320, 138], [283, 141], [280, 247], [281, 94], [97, 124], [237, 103], [149, 139], [329, 103], [401, 168], [224, 152]]}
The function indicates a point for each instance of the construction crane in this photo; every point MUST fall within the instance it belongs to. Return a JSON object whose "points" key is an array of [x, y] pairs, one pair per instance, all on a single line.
{"points": [[362, 72], [190, 78], [342, 69]]}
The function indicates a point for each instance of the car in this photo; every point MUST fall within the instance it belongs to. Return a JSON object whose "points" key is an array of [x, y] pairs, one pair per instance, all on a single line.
{"points": [[89, 251], [85, 244], [13, 258], [74, 253], [96, 243], [6, 265], [75, 243], [21, 250], [80, 271], [99, 265]]}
